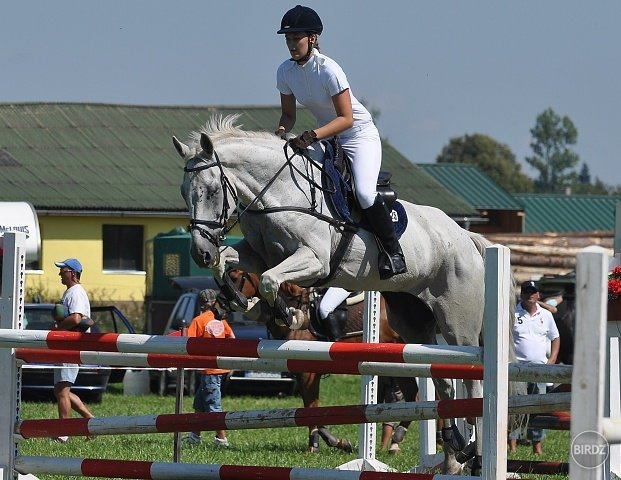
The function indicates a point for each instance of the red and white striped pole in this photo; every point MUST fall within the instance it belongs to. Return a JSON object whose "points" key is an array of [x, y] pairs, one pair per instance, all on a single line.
{"points": [[274, 349], [174, 471]]}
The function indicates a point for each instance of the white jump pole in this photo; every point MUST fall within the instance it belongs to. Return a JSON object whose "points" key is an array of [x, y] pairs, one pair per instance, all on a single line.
{"points": [[496, 361], [11, 314], [612, 403], [588, 382], [617, 241]]}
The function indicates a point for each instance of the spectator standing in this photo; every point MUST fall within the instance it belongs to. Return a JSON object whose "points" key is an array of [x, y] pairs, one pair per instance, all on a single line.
{"points": [[208, 397], [72, 313], [533, 328]]}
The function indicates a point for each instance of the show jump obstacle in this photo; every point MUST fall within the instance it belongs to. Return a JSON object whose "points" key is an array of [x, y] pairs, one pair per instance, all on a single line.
{"points": [[363, 359]]}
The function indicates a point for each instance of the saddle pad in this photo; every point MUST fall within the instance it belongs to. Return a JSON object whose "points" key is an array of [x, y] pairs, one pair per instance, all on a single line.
{"points": [[336, 189], [399, 218]]}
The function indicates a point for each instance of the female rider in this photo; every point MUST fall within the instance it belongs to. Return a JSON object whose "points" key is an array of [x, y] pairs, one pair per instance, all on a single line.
{"points": [[318, 82]]}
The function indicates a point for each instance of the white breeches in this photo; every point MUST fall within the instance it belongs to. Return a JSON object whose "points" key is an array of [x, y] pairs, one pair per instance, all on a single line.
{"points": [[364, 148], [332, 299]]}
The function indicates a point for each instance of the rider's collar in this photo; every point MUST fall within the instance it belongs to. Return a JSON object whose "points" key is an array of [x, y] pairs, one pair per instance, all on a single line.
{"points": [[304, 60]]}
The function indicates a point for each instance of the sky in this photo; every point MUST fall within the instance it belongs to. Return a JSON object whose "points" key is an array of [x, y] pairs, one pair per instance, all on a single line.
{"points": [[433, 69]]}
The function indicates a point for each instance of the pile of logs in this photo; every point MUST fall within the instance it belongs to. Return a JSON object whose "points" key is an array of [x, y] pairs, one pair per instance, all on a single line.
{"points": [[534, 255]]}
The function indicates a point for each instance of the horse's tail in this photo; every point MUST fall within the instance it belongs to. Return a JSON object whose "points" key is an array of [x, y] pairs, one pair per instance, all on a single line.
{"points": [[480, 242]]}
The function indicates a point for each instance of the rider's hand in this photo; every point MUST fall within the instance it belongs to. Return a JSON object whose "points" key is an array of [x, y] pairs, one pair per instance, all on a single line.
{"points": [[304, 140]]}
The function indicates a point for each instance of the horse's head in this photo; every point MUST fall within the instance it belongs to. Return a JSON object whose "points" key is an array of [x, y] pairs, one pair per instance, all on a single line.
{"points": [[210, 197]]}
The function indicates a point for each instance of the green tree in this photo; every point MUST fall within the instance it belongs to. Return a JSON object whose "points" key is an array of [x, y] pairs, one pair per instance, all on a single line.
{"points": [[494, 158], [584, 176], [553, 159]]}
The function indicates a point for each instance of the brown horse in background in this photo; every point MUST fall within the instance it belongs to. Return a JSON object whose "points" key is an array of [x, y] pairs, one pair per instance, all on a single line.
{"points": [[309, 383]]}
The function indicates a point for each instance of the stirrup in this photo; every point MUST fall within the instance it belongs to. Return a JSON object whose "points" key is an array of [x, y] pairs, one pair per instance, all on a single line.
{"points": [[391, 265]]}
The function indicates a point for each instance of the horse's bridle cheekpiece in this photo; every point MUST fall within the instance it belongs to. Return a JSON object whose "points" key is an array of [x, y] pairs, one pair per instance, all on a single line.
{"points": [[197, 224]]}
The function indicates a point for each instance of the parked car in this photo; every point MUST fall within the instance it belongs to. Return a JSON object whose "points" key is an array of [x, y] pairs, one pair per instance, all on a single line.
{"points": [[38, 379], [239, 381]]}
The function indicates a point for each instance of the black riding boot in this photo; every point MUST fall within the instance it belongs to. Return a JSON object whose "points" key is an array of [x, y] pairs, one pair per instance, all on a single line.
{"points": [[333, 326], [391, 259]]}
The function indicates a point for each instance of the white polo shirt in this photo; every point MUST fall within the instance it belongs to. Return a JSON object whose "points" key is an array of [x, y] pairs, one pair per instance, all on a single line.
{"points": [[531, 334], [315, 83]]}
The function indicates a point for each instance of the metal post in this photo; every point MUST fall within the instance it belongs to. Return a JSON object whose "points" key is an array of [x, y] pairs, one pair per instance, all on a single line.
{"points": [[11, 316], [180, 387], [368, 384]]}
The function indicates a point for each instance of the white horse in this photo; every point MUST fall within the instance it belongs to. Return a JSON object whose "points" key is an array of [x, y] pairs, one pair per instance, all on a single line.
{"points": [[290, 236]]}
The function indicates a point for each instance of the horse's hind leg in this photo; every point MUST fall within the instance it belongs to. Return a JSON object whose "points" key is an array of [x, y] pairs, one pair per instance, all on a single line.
{"points": [[415, 323]]}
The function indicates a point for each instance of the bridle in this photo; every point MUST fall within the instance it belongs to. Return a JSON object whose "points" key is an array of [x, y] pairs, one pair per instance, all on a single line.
{"points": [[198, 224], [228, 188]]}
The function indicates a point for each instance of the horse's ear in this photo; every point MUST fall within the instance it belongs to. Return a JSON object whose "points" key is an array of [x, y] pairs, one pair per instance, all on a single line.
{"points": [[206, 145], [182, 149]]}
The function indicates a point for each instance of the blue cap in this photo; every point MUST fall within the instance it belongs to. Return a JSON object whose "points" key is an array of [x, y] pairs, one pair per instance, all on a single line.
{"points": [[71, 263]]}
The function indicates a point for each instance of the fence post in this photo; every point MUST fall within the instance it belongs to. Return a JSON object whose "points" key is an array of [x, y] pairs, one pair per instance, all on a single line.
{"points": [[11, 314], [496, 323], [588, 380]]}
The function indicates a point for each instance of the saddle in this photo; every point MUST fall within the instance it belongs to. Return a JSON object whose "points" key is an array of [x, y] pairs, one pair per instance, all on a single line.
{"points": [[340, 194]]}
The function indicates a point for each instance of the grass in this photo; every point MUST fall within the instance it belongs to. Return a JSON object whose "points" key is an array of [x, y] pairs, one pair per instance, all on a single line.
{"points": [[274, 447]]}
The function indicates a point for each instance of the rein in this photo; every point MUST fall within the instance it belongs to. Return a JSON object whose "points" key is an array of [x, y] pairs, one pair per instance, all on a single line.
{"points": [[340, 225], [198, 224]]}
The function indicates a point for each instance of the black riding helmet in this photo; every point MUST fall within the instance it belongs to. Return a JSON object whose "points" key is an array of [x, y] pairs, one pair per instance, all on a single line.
{"points": [[301, 19]]}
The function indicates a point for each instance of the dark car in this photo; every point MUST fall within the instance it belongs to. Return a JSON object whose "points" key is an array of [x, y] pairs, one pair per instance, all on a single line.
{"points": [[38, 379], [239, 381]]}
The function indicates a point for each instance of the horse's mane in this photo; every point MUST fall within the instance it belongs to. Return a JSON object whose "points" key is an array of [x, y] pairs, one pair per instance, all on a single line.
{"points": [[220, 127]]}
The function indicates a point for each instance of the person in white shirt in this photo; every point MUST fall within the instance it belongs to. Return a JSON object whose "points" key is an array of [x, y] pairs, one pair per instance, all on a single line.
{"points": [[319, 83], [75, 309], [534, 327]]}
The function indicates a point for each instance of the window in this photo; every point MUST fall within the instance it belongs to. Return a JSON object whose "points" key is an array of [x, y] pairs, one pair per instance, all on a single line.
{"points": [[123, 247]]}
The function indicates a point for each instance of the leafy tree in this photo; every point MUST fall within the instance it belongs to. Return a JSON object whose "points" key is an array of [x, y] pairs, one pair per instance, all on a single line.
{"points": [[552, 157], [494, 158]]}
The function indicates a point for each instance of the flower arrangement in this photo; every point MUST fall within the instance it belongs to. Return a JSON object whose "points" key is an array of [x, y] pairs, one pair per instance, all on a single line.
{"points": [[614, 284]]}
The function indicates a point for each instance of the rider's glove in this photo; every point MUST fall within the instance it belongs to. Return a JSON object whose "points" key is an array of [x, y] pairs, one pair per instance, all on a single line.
{"points": [[304, 140]]}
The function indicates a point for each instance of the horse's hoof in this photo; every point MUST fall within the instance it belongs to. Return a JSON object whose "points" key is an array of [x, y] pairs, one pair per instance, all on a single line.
{"points": [[453, 438], [344, 445], [399, 434], [394, 448]]}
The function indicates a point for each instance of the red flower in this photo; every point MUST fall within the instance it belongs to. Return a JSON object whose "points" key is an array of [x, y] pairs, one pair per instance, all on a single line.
{"points": [[614, 284]]}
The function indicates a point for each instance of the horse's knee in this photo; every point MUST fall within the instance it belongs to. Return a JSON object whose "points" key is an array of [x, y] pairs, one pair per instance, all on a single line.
{"points": [[269, 288]]}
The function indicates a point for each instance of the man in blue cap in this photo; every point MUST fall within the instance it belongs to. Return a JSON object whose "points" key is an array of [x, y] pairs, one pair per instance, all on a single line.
{"points": [[75, 308]]}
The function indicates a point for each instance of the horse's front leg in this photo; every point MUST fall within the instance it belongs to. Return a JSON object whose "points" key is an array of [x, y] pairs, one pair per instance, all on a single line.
{"points": [[301, 266], [241, 256]]}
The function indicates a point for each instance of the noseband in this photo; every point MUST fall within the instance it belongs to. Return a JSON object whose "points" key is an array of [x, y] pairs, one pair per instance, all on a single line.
{"points": [[197, 224]]}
